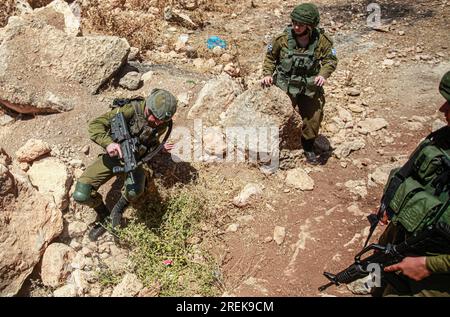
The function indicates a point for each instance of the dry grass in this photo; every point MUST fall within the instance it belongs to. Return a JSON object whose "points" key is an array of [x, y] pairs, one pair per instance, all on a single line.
{"points": [[7, 8], [40, 3], [140, 22]]}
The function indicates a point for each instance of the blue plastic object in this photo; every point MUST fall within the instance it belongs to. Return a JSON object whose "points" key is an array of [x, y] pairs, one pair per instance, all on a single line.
{"points": [[214, 41]]}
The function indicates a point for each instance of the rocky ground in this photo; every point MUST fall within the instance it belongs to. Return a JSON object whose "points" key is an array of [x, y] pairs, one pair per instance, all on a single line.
{"points": [[271, 234]]}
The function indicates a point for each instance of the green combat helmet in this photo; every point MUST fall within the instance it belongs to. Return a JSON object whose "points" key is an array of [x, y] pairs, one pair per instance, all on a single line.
{"points": [[444, 89], [306, 13], [162, 104]]}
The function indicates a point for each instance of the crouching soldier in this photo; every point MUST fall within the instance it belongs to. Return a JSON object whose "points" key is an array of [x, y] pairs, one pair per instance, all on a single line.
{"points": [[147, 120]]}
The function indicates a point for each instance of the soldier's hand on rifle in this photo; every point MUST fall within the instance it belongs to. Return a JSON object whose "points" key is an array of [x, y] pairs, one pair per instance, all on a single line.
{"points": [[114, 150], [413, 267], [319, 81], [267, 81], [384, 219]]}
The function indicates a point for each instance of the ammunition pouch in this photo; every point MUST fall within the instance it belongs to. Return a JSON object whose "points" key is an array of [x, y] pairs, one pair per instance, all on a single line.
{"points": [[422, 198]]}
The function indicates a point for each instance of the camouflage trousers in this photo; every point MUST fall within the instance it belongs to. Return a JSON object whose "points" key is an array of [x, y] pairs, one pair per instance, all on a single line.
{"points": [[435, 285], [101, 171], [311, 111]]}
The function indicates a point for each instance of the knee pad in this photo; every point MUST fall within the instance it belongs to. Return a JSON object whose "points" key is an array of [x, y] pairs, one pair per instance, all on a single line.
{"points": [[82, 193]]}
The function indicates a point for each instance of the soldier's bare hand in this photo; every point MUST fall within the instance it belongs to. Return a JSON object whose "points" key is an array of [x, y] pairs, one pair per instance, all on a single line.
{"points": [[384, 218], [267, 81], [114, 150], [319, 81], [168, 147], [413, 267]]}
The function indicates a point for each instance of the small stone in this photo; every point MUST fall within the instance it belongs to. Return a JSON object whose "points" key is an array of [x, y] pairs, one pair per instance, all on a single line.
{"points": [[298, 178], [147, 76], [76, 163], [76, 229], [131, 80], [388, 62], [5, 119], [279, 233], [232, 227], [134, 52], [354, 92], [217, 51], [250, 190], [65, 291], [226, 58]]}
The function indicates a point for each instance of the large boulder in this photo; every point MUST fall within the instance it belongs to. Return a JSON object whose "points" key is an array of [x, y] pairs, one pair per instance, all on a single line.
{"points": [[63, 16], [264, 114], [43, 68], [214, 98], [28, 223]]}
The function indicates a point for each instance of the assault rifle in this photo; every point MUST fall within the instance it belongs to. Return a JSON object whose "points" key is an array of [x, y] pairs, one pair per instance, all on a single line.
{"points": [[131, 146], [128, 144], [434, 238]]}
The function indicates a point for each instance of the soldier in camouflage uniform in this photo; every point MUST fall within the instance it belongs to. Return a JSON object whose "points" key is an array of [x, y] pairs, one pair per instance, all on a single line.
{"points": [[299, 61], [147, 119], [427, 275]]}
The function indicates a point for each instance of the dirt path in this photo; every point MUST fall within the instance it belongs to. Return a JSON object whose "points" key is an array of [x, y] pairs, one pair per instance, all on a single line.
{"points": [[327, 226]]}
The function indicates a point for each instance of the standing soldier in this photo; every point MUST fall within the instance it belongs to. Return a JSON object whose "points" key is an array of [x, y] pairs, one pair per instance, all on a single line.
{"points": [[299, 61], [147, 120]]}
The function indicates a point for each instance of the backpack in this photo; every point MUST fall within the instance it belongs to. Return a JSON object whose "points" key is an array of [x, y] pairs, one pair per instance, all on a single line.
{"points": [[119, 102]]}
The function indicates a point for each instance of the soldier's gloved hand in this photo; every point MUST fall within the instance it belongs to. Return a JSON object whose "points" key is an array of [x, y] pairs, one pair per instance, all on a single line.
{"points": [[319, 81], [114, 150], [267, 81], [413, 267]]}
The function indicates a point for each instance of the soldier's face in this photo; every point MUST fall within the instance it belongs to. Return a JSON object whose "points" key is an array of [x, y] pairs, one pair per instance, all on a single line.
{"points": [[154, 120], [299, 28]]}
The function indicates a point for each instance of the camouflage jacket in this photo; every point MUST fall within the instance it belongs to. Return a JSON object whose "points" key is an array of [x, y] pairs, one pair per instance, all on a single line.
{"points": [[100, 128], [324, 52]]}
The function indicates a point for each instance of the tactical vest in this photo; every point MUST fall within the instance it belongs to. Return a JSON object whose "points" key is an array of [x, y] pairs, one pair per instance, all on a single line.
{"points": [[422, 198], [297, 70], [138, 125]]}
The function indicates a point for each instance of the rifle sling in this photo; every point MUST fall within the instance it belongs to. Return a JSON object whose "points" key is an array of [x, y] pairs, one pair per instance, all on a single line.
{"points": [[150, 155]]}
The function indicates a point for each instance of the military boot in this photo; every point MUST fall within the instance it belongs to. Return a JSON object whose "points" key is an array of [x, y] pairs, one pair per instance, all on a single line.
{"points": [[117, 211], [308, 148], [311, 158], [100, 223]]}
